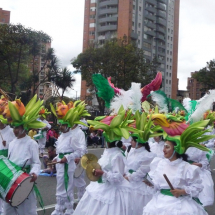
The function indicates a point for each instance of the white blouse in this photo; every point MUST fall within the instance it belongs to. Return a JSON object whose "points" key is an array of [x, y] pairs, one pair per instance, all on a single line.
{"points": [[7, 135], [25, 150], [157, 148]]}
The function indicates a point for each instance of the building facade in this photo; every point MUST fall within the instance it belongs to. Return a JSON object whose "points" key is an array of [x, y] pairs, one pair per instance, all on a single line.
{"points": [[153, 24], [4, 16], [194, 88]]}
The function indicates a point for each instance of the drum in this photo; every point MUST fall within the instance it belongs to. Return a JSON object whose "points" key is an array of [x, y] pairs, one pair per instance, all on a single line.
{"points": [[78, 171], [15, 185]]}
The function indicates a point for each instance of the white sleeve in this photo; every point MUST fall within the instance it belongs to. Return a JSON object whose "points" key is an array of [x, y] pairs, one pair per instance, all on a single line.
{"points": [[193, 182], [117, 172], [35, 161], [203, 160]]}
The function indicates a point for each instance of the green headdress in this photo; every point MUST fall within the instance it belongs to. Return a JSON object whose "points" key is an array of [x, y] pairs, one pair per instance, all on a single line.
{"points": [[191, 137], [73, 115], [115, 127], [44, 112], [145, 127], [31, 114]]}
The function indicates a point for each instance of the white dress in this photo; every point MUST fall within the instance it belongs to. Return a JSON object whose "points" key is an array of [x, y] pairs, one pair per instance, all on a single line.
{"points": [[182, 175], [199, 156], [112, 196], [42, 141], [137, 167], [69, 144], [20, 151], [157, 148]]}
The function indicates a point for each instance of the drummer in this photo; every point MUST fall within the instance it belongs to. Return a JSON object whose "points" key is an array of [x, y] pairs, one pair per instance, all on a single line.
{"points": [[23, 151], [6, 136]]}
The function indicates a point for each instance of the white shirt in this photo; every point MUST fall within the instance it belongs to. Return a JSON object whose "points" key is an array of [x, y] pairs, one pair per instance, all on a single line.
{"points": [[7, 135]]}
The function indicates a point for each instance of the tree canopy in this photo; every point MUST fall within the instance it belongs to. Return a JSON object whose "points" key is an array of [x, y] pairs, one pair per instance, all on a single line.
{"points": [[206, 76], [118, 58]]}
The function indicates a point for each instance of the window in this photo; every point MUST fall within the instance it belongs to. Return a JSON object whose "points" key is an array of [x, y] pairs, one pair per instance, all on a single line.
{"points": [[92, 25], [148, 53], [140, 9], [139, 25], [147, 45], [92, 8], [169, 81], [170, 67], [167, 66], [92, 32], [92, 1], [92, 16]]}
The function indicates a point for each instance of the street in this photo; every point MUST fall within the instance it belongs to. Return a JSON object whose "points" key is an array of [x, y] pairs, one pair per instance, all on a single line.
{"points": [[47, 186]]}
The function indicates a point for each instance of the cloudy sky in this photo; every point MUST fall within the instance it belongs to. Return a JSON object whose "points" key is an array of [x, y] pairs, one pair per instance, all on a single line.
{"points": [[63, 21]]}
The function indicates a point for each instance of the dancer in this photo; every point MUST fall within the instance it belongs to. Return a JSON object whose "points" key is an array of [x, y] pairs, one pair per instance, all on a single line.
{"points": [[182, 198], [111, 193], [157, 146], [42, 141], [137, 166], [69, 147], [23, 151]]}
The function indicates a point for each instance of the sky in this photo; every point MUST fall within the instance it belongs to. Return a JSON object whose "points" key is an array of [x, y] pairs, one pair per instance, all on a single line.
{"points": [[63, 21]]}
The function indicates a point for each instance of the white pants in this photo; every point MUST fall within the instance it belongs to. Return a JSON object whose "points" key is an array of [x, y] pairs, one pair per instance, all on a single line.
{"points": [[42, 144], [28, 207], [80, 184], [64, 199]]}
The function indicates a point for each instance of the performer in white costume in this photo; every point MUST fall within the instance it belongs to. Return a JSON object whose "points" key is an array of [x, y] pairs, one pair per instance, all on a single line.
{"points": [[157, 146], [79, 182], [137, 166], [23, 151], [69, 147], [198, 158], [110, 195], [6, 136], [42, 141], [182, 197]]}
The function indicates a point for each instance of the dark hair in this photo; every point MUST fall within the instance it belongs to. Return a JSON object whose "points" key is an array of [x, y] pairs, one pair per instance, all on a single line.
{"points": [[146, 144], [113, 144], [183, 156]]}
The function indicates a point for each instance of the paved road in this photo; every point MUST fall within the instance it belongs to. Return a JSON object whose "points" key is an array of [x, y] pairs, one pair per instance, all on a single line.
{"points": [[47, 186]]}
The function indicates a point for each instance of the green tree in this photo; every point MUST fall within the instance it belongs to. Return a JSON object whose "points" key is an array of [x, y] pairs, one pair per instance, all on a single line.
{"points": [[118, 58], [63, 79], [206, 76], [20, 49]]}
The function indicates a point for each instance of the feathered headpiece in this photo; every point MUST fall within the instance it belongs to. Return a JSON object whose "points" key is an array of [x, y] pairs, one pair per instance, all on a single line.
{"points": [[17, 114], [71, 113]]}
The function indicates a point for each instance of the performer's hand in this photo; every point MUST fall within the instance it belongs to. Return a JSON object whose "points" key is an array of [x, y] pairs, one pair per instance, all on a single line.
{"points": [[197, 164], [148, 183], [98, 172], [34, 177], [178, 192], [4, 142], [77, 160], [123, 147], [63, 160]]}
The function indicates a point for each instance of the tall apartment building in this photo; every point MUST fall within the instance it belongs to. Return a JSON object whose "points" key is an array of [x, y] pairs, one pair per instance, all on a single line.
{"points": [[4, 16], [194, 88], [153, 24]]}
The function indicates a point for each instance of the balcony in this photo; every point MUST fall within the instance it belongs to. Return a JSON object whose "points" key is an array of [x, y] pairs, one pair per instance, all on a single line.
{"points": [[134, 36], [162, 1], [150, 25], [151, 9], [161, 7], [108, 11], [151, 33], [151, 17], [107, 19], [161, 22], [154, 2], [107, 28], [108, 3], [161, 14], [161, 30]]}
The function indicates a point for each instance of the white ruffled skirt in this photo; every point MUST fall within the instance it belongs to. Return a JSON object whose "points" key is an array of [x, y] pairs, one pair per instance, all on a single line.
{"points": [[103, 199], [169, 205], [206, 196]]}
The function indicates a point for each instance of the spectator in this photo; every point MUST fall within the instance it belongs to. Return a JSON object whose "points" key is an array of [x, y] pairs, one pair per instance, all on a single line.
{"points": [[50, 138], [94, 138], [50, 169]]}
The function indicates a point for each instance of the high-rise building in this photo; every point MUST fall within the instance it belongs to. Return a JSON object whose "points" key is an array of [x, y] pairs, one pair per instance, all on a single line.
{"points": [[153, 24], [194, 88], [4, 16]]}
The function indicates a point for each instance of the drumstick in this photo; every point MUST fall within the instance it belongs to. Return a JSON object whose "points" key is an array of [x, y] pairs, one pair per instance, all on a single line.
{"points": [[168, 182], [53, 163]]}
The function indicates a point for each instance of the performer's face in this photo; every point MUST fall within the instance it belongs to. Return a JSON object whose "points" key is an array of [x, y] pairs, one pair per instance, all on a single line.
{"points": [[168, 149], [133, 143], [157, 139], [64, 128], [18, 131], [2, 125]]}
